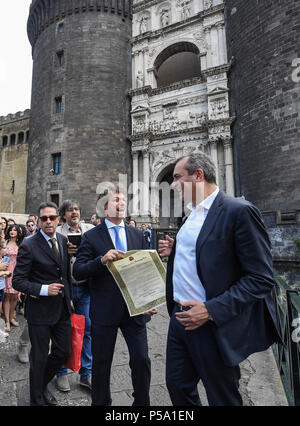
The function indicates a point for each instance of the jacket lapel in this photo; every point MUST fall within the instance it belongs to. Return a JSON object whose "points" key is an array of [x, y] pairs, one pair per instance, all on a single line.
{"points": [[61, 247], [45, 246], [105, 237], [210, 221]]}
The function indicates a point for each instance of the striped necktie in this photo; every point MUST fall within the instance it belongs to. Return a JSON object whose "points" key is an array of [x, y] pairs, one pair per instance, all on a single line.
{"points": [[55, 250]]}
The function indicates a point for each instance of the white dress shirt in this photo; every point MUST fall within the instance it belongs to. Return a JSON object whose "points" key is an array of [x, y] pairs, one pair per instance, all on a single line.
{"points": [[186, 282], [44, 289], [112, 232]]}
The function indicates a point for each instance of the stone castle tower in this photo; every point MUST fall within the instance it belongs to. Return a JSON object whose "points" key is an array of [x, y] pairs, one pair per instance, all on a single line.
{"points": [[79, 106]]}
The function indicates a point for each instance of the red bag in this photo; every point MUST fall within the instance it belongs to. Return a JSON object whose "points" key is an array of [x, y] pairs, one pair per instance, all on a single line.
{"points": [[74, 360]]}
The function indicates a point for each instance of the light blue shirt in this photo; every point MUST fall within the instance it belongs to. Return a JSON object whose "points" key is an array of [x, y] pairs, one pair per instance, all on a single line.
{"points": [[44, 289], [112, 232], [186, 282]]}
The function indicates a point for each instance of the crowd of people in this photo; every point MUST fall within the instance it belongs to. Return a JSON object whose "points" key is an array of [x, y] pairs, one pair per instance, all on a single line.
{"points": [[11, 236], [218, 292]]}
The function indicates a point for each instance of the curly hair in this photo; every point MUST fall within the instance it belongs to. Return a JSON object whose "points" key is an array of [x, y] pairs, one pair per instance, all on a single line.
{"points": [[19, 233]]}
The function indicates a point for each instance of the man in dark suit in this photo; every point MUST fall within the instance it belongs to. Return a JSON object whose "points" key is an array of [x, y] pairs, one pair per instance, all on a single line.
{"points": [[42, 272], [219, 282], [108, 311]]}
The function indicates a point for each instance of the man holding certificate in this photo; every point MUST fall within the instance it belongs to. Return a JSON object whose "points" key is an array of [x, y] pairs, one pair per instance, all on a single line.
{"points": [[108, 311]]}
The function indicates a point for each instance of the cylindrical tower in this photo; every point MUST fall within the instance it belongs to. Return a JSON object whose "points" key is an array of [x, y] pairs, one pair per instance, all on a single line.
{"points": [[79, 105], [263, 44]]}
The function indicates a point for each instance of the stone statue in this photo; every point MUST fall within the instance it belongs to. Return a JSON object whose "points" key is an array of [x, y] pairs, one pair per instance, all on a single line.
{"points": [[143, 24], [164, 17], [139, 79], [207, 4]]}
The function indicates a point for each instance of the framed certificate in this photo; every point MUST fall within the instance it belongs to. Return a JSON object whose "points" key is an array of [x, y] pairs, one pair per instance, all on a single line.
{"points": [[141, 277]]}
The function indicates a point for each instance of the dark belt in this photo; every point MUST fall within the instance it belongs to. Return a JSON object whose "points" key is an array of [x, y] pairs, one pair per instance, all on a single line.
{"points": [[182, 308]]}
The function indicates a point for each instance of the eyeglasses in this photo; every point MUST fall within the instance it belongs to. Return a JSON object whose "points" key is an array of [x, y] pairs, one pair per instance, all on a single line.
{"points": [[31, 226], [45, 218]]}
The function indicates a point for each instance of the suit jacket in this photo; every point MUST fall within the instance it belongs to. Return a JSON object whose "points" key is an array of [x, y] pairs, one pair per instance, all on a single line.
{"points": [[234, 264], [37, 265], [64, 229], [107, 305]]}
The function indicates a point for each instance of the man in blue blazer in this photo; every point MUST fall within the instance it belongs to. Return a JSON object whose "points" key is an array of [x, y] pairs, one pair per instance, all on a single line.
{"points": [[219, 282], [43, 273], [108, 310]]}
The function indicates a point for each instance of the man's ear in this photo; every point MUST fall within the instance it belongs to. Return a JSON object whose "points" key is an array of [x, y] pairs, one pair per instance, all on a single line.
{"points": [[199, 174]]}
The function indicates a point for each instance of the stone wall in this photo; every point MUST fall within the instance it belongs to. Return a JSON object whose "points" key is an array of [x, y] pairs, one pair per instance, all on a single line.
{"points": [[14, 133], [263, 45]]}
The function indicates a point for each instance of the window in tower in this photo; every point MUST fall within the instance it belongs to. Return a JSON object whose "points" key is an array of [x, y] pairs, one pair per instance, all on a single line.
{"points": [[61, 27], [58, 104], [55, 198], [60, 58], [56, 163]]}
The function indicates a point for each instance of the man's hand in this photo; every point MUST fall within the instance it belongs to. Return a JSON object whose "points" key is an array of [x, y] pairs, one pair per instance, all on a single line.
{"points": [[3, 266], [112, 255], [165, 246], [72, 249], [194, 317], [150, 313], [54, 289]]}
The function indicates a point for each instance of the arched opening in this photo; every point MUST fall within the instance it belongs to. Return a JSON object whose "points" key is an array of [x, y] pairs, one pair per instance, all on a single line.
{"points": [[170, 204], [177, 62], [21, 137], [4, 141], [12, 139]]}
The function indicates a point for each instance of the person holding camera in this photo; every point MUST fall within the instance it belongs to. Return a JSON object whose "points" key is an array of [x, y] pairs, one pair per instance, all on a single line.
{"points": [[72, 228]]}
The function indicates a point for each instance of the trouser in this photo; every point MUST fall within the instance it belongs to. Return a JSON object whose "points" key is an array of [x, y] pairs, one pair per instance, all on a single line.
{"points": [[193, 356], [103, 344], [81, 302], [43, 366]]}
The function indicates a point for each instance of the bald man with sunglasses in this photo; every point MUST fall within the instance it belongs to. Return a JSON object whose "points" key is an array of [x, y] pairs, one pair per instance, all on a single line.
{"points": [[42, 272]]}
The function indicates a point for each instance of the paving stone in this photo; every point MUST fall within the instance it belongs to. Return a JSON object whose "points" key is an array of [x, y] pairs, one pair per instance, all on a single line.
{"points": [[260, 382]]}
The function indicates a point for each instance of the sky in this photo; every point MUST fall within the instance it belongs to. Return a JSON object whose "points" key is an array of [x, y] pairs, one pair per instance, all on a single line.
{"points": [[15, 57]]}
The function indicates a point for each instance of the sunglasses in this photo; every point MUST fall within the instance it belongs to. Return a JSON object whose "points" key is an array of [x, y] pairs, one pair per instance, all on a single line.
{"points": [[45, 218]]}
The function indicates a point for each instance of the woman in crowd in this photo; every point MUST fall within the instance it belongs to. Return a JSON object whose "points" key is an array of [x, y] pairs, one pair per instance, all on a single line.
{"points": [[14, 239], [3, 227]]}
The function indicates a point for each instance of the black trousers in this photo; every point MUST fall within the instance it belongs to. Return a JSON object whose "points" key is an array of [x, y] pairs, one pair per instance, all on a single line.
{"points": [[103, 345], [44, 365], [193, 356]]}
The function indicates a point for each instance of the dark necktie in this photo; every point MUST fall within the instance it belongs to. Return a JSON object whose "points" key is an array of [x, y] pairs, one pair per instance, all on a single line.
{"points": [[55, 250], [118, 244]]}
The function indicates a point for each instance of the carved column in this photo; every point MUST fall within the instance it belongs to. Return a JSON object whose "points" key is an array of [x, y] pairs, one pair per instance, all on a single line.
{"points": [[214, 156], [221, 43], [135, 180], [228, 162], [146, 181]]}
